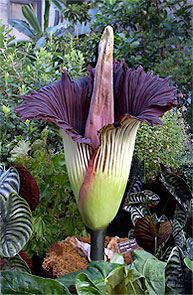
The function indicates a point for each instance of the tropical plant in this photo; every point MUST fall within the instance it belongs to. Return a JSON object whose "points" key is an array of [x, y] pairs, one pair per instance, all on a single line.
{"points": [[20, 282], [168, 238], [15, 220], [32, 27], [98, 165], [144, 276]]}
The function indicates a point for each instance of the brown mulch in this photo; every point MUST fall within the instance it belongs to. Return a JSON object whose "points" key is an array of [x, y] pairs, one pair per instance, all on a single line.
{"points": [[64, 257]]}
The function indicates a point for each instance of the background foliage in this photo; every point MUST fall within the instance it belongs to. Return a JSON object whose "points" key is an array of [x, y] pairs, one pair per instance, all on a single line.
{"points": [[156, 34]]}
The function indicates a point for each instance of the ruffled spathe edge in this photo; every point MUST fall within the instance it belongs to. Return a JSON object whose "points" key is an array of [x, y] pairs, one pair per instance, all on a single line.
{"points": [[66, 102]]}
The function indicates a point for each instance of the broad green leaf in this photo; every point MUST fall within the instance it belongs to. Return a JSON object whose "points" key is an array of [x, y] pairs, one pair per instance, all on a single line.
{"points": [[69, 279], [117, 258], [16, 282], [85, 286], [134, 285], [15, 225], [152, 270], [188, 263], [116, 283], [32, 19], [103, 278]]}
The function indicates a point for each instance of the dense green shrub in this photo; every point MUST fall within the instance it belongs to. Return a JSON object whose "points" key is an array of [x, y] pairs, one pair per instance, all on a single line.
{"points": [[165, 144], [24, 68]]}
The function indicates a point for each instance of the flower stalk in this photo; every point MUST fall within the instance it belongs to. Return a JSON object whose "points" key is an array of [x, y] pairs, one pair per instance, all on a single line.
{"points": [[97, 244]]}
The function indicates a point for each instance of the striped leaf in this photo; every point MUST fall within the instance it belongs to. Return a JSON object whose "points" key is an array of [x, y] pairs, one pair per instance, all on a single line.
{"points": [[188, 251], [145, 197], [174, 271], [9, 181], [15, 224], [15, 262], [137, 212], [178, 234], [180, 216], [178, 188], [166, 254], [135, 178]]}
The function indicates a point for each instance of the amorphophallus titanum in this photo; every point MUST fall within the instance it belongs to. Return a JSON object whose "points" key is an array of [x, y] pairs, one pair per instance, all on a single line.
{"points": [[98, 117]]}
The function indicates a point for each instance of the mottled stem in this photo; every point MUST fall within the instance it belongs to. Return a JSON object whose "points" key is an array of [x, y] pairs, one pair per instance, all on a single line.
{"points": [[97, 244]]}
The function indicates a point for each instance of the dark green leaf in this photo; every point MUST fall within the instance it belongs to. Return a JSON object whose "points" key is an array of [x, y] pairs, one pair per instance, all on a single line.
{"points": [[14, 262], [16, 282], [32, 19], [178, 188], [46, 14], [174, 271], [69, 279]]}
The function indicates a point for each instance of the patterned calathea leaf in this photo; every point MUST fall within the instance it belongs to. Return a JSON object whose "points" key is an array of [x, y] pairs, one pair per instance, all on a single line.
{"points": [[15, 224], [135, 184], [176, 272], [137, 212], [178, 225], [151, 232], [16, 262], [178, 188], [9, 181], [145, 198], [166, 254], [188, 249]]}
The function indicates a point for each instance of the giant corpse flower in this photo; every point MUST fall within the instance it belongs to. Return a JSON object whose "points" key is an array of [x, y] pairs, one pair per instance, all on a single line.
{"points": [[98, 117]]}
